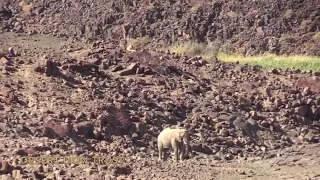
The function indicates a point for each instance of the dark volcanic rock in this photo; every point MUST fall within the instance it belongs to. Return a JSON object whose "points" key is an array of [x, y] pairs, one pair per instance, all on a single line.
{"points": [[49, 67], [274, 30], [129, 70]]}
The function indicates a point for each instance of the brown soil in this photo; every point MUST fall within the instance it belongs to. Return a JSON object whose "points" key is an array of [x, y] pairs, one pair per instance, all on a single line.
{"points": [[82, 94]]}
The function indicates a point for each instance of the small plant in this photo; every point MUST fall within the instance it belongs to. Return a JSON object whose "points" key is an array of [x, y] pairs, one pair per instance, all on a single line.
{"points": [[139, 42], [266, 60], [150, 7], [316, 37], [194, 49], [194, 9], [287, 38], [288, 14], [305, 23]]}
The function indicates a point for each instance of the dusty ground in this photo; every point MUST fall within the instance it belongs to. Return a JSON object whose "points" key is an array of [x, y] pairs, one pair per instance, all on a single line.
{"points": [[292, 163], [69, 88], [38, 96]]}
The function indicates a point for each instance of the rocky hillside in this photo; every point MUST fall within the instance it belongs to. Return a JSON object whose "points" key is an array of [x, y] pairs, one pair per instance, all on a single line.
{"points": [[248, 27], [67, 98], [69, 88]]}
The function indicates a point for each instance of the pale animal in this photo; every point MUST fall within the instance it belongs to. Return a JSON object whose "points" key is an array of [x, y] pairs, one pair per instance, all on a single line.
{"points": [[176, 139]]}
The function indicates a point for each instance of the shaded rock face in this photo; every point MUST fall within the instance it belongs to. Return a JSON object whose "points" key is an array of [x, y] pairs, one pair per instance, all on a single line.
{"points": [[276, 29], [53, 129], [49, 67], [5, 13], [117, 122]]}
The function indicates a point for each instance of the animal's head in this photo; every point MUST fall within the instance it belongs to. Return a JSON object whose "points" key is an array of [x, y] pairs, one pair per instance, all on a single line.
{"points": [[184, 136]]}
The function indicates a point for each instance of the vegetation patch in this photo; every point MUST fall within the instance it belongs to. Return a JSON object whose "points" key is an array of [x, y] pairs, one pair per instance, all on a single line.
{"points": [[194, 49], [287, 38], [267, 60], [195, 8], [276, 61], [288, 14], [139, 42], [316, 37]]}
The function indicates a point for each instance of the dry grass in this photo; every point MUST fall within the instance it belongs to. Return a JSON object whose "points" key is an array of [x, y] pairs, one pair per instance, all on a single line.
{"points": [[268, 60], [195, 8], [288, 14], [138, 43], [194, 49], [287, 38], [316, 37]]}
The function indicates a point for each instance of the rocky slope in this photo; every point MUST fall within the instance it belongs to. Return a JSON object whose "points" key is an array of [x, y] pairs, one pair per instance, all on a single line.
{"points": [[248, 27], [63, 97]]}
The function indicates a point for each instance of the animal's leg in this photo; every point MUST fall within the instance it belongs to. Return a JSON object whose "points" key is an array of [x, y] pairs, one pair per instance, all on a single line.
{"points": [[175, 150], [160, 155], [160, 149], [165, 155], [187, 150], [181, 151]]}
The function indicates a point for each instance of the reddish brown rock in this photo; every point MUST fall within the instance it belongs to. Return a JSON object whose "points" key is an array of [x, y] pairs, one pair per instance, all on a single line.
{"points": [[131, 69]]}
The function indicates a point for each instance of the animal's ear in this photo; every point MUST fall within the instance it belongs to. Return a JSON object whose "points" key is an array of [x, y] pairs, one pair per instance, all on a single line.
{"points": [[181, 136]]}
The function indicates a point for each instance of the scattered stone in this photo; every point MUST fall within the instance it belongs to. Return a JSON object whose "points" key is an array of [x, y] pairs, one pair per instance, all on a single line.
{"points": [[302, 110], [80, 104], [131, 69]]}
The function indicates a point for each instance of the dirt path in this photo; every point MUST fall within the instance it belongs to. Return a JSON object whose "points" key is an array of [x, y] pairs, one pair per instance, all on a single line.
{"points": [[294, 164]]}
